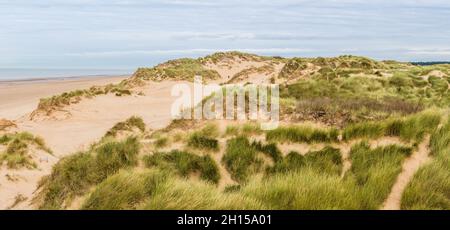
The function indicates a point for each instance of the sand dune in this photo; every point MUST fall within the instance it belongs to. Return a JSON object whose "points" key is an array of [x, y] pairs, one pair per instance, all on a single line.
{"points": [[90, 119]]}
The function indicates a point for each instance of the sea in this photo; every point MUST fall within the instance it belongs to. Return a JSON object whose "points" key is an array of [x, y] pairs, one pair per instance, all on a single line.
{"points": [[29, 74]]}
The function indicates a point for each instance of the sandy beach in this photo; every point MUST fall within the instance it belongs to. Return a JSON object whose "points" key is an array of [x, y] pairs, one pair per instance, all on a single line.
{"points": [[20, 97]]}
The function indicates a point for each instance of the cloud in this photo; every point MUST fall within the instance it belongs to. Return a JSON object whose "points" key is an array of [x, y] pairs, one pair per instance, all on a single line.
{"points": [[433, 51], [272, 51], [89, 32]]}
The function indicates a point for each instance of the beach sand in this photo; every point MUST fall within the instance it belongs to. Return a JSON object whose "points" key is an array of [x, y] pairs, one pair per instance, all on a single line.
{"points": [[20, 97]]}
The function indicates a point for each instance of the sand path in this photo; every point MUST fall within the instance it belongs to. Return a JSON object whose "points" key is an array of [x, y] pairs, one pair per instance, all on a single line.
{"points": [[409, 168]]}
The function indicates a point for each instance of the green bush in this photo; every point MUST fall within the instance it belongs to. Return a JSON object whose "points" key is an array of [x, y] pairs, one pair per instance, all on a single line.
{"points": [[201, 142], [293, 162], [185, 163], [241, 159], [327, 160], [113, 156], [271, 150], [363, 130]]}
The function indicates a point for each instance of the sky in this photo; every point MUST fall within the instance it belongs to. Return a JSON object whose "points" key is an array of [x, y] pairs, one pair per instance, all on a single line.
{"points": [[130, 33]]}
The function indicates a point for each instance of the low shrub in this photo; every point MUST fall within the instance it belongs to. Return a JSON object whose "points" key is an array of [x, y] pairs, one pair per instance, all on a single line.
{"points": [[241, 159], [185, 163]]}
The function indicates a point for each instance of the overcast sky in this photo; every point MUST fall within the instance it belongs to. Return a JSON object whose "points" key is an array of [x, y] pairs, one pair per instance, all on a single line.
{"points": [[131, 33]]}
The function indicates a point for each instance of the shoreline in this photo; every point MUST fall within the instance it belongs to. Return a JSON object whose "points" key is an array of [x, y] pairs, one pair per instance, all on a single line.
{"points": [[65, 78]]}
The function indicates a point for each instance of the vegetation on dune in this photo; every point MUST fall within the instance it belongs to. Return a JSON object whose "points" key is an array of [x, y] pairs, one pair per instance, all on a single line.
{"points": [[50, 104], [74, 175], [327, 160], [247, 129], [185, 164], [374, 171], [331, 67], [190, 195], [355, 97], [304, 189], [201, 142], [205, 138], [411, 128], [158, 190], [374, 92], [125, 190], [128, 125], [430, 187], [304, 133], [271, 150], [225, 56], [17, 153], [241, 159], [4, 124], [179, 69], [242, 75]]}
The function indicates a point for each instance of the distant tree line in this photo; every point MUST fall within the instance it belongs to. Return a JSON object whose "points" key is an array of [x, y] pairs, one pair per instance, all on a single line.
{"points": [[430, 63]]}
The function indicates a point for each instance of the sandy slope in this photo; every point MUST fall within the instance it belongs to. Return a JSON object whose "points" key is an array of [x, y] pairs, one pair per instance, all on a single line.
{"points": [[81, 124], [23, 182]]}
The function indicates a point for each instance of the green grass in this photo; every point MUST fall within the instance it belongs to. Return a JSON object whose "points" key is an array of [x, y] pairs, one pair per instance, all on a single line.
{"points": [[333, 96], [70, 177], [247, 129], [48, 105], [196, 195], [201, 142], [185, 164], [271, 150], [327, 160], [18, 147], [363, 130], [158, 190], [251, 128], [74, 175], [180, 69], [302, 134], [128, 125], [241, 159], [205, 138], [161, 142], [292, 162], [124, 190], [112, 156], [304, 189], [411, 128], [430, 186], [374, 171], [232, 130]]}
